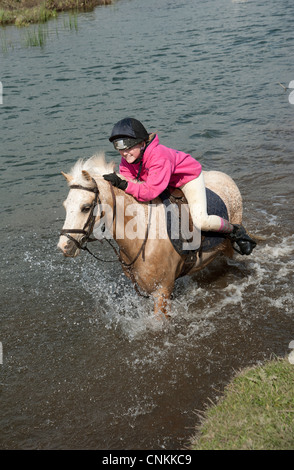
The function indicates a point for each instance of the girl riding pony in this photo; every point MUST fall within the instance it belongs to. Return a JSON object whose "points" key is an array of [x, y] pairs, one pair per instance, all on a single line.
{"points": [[155, 167]]}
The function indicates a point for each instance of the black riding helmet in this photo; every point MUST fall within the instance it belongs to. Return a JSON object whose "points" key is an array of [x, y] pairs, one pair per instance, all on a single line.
{"points": [[128, 132]]}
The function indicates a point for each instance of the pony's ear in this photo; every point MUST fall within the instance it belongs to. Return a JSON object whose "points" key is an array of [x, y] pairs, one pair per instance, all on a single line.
{"points": [[68, 178], [87, 175]]}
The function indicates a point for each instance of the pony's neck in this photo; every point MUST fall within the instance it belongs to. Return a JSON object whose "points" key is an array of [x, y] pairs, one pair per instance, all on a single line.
{"points": [[107, 200], [121, 218]]}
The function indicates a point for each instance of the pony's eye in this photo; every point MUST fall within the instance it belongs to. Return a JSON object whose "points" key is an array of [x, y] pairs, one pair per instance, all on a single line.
{"points": [[86, 208]]}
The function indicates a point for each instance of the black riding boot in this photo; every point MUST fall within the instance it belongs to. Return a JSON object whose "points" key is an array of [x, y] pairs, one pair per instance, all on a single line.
{"points": [[244, 242]]}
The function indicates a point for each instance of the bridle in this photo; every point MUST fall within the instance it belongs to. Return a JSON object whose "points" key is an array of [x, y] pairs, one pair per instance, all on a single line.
{"points": [[89, 225], [90, 222]]}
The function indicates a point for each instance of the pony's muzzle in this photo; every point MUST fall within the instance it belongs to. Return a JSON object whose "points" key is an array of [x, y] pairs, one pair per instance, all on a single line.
{"points": [[68, 247]]}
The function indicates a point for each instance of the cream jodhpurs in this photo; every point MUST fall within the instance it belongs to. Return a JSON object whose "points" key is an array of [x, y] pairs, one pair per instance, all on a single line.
{"points": [[195, 194]]}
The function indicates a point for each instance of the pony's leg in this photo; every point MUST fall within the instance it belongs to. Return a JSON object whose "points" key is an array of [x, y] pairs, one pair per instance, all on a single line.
{"points": [[162, 303]]}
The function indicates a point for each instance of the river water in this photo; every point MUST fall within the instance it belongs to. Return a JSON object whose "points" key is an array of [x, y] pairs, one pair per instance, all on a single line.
{"points": [[82, 364]]}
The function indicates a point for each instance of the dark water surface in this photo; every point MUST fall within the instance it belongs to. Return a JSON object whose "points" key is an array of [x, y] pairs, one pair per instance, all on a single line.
{"points": [[84, 366]]}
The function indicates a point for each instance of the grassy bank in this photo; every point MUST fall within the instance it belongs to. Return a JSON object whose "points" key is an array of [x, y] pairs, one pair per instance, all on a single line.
{"points": [[24, 12], [255, 413]]}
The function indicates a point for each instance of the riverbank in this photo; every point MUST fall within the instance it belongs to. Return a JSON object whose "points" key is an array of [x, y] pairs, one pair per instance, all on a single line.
{"points": [[24, 12], [255, 413]]}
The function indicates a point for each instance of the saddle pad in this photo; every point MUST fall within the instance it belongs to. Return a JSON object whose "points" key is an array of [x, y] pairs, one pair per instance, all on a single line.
{"points": [[215, 206]]}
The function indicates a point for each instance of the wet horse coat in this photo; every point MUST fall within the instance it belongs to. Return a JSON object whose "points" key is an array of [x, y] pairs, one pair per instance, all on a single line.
{"points": [[155, 268]]}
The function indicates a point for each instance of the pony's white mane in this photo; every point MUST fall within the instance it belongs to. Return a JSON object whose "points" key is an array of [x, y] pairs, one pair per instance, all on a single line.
{"points": [[95, 166]]}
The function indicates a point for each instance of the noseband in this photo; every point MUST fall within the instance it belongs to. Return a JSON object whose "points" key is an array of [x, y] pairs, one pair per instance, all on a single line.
{"points": [[88, 227]]}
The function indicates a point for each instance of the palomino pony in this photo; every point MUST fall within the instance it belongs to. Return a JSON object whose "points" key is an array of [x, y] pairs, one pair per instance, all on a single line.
{"points": [[151, 262]]}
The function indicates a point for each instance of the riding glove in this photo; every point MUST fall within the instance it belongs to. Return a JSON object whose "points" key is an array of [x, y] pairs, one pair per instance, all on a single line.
{"points": [[116, 181]]}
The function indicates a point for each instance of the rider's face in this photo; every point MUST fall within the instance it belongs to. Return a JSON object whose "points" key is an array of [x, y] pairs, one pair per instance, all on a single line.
{"points": [[132, 154]]}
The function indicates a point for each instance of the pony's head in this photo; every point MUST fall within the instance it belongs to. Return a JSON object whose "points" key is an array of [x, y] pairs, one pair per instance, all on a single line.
{"points": [[81, 203]]}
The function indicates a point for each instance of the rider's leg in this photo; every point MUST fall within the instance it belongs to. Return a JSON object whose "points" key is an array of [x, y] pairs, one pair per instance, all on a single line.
{"points": [[195, 194]]}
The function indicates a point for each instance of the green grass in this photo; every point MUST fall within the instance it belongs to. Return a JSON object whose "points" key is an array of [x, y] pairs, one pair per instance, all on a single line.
{"points": [[25, 16], [36, 36], [42, 11], [5, 17], [255, 413], [71, 22]]}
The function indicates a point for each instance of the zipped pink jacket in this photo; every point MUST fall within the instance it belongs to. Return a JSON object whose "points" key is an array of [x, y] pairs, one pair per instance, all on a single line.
{"points": [[161, 167]]}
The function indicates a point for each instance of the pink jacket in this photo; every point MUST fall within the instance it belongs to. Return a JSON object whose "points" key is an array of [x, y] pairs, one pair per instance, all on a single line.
{"points": [[162, 167]]}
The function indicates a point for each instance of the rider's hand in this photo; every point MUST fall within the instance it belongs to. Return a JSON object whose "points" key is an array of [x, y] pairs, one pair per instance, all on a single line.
{"points": [[116, 181]]}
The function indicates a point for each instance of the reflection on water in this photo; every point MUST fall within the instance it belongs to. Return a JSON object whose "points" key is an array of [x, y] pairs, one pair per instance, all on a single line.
{"points": [[84, 363]]}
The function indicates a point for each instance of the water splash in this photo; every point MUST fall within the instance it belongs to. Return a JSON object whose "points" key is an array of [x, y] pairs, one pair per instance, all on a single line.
{"points": [[224, 287]]}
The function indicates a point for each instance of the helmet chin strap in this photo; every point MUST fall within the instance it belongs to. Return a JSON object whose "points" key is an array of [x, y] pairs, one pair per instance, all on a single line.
{"points": [[140, 159], [142, 149]]}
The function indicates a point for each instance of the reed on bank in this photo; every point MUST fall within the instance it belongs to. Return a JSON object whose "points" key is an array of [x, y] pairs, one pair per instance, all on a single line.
{"points": [[24, 12]]}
